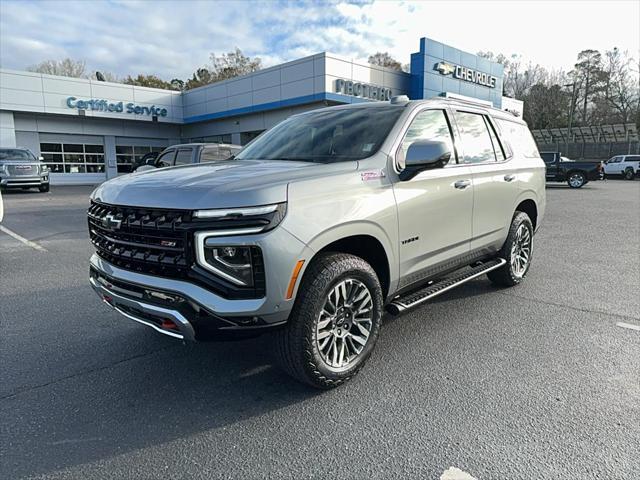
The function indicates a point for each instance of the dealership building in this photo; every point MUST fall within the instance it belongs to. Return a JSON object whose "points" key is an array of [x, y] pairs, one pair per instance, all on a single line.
{"points": [[88, 131]]}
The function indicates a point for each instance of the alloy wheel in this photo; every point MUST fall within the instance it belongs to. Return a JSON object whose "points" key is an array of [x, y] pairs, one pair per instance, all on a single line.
{"points": [[344, 324], [521, 251], [576, 180]]}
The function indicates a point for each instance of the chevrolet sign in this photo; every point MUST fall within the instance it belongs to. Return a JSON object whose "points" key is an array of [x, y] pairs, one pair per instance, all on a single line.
{"points": [[466, 74]]}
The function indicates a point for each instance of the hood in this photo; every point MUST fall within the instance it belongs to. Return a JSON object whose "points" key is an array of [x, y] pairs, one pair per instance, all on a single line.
{"points": [[235, 183]]}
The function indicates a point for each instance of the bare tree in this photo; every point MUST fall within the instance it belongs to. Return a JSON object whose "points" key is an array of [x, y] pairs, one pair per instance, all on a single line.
{"points": [[383, 59], [621, 90], [233, 64], [65, 68]]}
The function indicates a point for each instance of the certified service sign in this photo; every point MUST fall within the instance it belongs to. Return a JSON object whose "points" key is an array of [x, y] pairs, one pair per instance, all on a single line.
{"points": [[466, 74]]}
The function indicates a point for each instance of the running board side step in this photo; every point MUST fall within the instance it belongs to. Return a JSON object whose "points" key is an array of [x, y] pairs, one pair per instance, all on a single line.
{"points": [[417, 297]]}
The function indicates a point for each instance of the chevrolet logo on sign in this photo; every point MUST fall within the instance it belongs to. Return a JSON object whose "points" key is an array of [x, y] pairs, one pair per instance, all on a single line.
{"points": [[466, 74], [445, 68]]}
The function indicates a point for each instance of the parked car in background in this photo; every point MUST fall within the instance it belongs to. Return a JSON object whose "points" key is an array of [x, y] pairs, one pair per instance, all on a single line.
{"points": [[19, 168], [576, 173], [626, 165], [319, 224], [189, 153]]}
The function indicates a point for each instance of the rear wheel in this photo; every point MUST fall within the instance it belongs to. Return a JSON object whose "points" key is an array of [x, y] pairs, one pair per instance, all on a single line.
{"points": [[517, 251], [628, 174], [335, 322], [576, 179]]}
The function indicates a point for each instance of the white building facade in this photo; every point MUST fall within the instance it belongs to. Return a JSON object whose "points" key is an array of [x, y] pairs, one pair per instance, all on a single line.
{"points": [[88, 131]]}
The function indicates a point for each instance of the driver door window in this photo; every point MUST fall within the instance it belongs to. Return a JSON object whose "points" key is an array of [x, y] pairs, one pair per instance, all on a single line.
{"points": [[166, 159], [427, 125]]}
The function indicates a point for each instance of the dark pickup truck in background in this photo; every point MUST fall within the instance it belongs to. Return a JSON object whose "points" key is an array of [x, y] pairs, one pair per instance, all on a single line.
{"points": [[575, 173]]}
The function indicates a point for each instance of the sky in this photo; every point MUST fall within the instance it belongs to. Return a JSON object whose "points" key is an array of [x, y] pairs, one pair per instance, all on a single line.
{"points": [[173, 38]]}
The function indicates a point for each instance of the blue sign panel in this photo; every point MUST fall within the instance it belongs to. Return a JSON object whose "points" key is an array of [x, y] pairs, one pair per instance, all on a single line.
{"points": [[438, 69]]}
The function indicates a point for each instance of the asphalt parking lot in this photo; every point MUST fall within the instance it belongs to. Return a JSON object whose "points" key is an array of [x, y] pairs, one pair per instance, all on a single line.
{"points": [[539, 381]]}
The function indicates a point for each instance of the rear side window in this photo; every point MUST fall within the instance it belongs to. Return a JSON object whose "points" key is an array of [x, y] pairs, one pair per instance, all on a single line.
{"points": [[632, 158], [184, 156], [212, 154], [548, 157], [519, 137], [476, 139]]}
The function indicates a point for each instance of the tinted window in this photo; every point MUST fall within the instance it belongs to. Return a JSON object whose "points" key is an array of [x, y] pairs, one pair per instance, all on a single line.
{"points": [[427, 125], [328, 135], [166, 159], [548, 157], [632, 158], [184, 156], [519, 137], [475, 138]]}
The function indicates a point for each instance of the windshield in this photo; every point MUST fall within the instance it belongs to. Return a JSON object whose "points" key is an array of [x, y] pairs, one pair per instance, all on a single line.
{"points": [[329, 135], [15, 154]]}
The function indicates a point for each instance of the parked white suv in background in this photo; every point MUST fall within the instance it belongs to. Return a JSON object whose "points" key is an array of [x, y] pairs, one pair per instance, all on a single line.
{"points": [[626, 165]]}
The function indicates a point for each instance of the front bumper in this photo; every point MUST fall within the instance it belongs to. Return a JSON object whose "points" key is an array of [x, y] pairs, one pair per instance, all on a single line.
{"points": [[26, 181], [182, 309]]}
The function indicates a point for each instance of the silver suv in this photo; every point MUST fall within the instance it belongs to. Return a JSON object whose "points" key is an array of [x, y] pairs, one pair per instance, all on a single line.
{"points": [[19, 168], [319, 225]]}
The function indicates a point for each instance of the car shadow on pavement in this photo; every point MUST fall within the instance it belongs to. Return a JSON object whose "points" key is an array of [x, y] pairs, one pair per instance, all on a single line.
{"points": [[144, 401]]}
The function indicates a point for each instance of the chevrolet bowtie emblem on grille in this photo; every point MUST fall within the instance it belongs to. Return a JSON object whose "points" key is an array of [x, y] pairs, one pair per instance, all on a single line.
{"points": [[445, 68], [111, 222]]}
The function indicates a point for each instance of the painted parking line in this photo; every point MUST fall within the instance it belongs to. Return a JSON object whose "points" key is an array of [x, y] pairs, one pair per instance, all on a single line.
{"points": [[23, 240], [630, 326], [453, 473]]}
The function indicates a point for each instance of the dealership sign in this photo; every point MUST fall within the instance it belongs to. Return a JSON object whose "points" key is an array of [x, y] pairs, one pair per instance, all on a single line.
{"points": [[116, 107], [365, 90], [466, 74]]}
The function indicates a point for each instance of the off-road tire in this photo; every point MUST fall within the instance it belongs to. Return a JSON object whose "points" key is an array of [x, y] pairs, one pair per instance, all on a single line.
{"points": [[296, 346], [504, 276]]}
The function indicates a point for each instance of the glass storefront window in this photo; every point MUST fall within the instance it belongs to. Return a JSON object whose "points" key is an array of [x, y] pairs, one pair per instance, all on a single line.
{"points": [[73, 157]]}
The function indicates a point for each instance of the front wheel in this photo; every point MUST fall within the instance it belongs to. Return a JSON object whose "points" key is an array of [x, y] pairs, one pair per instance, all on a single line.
{"points": [[334, 323], [517, 251], [576, 180], [44, 188]]}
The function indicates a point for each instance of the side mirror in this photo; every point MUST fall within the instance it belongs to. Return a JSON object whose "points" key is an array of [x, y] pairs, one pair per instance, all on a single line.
{"points": [[150, 162], [425, 155]]}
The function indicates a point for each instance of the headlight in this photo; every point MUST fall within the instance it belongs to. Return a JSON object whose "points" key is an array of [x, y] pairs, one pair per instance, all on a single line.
{"points": [[233, 263], [44, 169]]}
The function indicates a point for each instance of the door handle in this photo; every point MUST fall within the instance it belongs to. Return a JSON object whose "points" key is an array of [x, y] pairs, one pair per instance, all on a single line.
{"points": [[462, 184], [509, 178]]}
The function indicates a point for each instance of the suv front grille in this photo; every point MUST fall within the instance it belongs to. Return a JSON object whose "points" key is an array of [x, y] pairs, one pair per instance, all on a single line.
{"points": [[22, 169], [160, 242]]}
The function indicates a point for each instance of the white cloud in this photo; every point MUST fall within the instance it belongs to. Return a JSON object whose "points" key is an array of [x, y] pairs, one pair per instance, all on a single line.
{"points": [[172, 39]]}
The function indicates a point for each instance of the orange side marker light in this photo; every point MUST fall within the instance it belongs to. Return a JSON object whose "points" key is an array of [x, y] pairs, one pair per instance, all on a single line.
{"points": [[294, 279]]}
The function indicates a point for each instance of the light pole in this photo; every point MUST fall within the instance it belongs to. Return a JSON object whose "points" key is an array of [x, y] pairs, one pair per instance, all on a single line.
{"points": [[571, 108]]}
